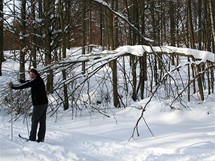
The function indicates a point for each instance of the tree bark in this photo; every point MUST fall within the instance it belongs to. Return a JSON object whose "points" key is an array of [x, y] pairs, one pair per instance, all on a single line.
{"points": [[33, 47], [23, 38], [172, 11], [84, 33], [63, 47], [113, 63], [212, 17], [48, 7], [1, 36], [190, 24]]}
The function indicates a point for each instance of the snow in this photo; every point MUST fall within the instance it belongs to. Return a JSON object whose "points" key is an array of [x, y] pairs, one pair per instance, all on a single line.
{"points": [[139, 50], [179, 135], [102, 2]]}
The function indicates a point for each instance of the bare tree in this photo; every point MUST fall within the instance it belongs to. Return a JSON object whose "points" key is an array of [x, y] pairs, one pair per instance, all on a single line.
{"points": [[48, 13], [190, 28], [212, 18], [62, 15], [33, 37], [23, 41], [84, 31], [1, 36]]}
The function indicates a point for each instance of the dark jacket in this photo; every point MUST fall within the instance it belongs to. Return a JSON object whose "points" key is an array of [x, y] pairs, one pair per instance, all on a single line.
{"points": [[38, 92]]}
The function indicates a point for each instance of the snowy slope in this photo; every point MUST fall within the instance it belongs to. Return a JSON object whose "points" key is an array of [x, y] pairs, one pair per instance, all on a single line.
{"points": [[179, 136]]}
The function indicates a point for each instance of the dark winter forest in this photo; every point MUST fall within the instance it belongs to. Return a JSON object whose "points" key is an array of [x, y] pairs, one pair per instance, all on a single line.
{"points": [[41, 32]]}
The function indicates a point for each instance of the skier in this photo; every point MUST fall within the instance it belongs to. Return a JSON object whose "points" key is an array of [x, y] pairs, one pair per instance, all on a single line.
{"points": [[40, 104]]}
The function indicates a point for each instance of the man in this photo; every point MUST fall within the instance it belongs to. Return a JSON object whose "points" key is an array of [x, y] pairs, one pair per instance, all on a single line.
{"points": [[40, 104]]}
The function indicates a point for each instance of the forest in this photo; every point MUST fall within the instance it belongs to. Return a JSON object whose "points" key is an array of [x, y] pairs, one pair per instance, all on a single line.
{"points": [[75, 45]]}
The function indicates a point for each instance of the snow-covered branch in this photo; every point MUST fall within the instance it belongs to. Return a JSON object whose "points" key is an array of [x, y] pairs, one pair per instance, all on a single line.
{"points": [[139, 50]]}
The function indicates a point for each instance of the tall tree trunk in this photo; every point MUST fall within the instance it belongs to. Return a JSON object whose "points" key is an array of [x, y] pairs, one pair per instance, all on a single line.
{"points": [[113, 63], [199, 80], [172, 11], [90, 29], [84, 33], [48, 7], [200, 24], [116, 34], [22, 46], [190, 36], [129, 35], [1, 36], [189, 76], [69, 21], [154, 35], [134, 77], [63, 46], [143, 59], [190, 24], [135, 38], [101, 26], [33, 47], [212, 17]]}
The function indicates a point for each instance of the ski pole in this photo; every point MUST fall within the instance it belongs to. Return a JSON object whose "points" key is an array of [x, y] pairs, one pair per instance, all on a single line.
{"points": [[11, 98], [26, 119]]}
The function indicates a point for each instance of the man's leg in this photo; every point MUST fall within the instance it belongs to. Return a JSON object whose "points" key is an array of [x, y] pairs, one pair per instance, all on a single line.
{"points": [[34, 123], [42, 128], [36, 116]]}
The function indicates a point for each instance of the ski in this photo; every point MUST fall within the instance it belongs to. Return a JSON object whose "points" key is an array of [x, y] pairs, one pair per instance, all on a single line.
{"points": [[24, 138]]}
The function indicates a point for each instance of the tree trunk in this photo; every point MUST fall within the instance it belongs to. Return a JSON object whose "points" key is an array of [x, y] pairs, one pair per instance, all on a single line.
{"points": [[113, 63], [190, 24], [90, 30], [69, 20], [48, 6], [101, 25], [172, 11], [200, 24], [134, 77], [1, 36], [116, 35], [199, 80], [22, 46], [63, 46], [33, 47], [189, 76], [143, 59], [212, 17], [84, 33]]}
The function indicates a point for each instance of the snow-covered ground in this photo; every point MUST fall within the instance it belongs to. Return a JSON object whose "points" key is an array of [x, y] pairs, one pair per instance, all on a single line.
{"points": [[180, 135]]}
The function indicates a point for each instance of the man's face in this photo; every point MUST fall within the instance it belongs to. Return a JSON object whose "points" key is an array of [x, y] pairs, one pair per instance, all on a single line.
{"points": [[32, 75]]}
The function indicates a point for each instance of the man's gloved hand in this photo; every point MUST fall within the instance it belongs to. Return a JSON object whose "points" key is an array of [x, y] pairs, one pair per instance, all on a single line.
{"points": [[11, 84]]}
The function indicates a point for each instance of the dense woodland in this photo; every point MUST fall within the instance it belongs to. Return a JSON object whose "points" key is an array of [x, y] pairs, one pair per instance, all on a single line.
{"points": [[41, 31]]}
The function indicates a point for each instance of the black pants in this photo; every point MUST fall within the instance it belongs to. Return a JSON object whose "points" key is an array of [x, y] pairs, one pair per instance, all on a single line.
{"points": [[38, 117]]}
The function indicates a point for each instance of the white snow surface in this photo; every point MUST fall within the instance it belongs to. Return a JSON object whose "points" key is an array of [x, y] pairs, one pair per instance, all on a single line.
{"points": [[180, 135]]}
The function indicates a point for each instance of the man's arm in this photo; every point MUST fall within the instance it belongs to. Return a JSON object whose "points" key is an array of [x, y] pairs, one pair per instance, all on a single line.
{"points": [[25, 84], [23, 81]]}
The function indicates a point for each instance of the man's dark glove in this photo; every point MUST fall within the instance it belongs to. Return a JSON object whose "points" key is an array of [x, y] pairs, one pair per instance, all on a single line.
{"points": [[11, 84]]}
